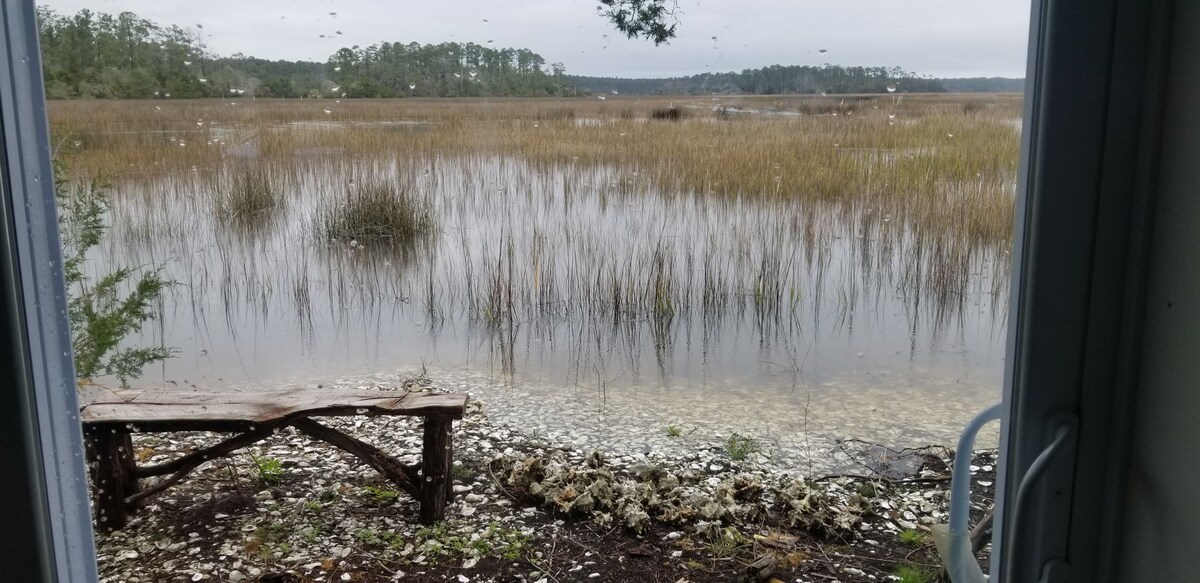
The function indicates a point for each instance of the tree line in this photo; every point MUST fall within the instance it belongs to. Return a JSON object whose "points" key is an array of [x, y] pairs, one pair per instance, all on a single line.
{"points": [[99, 55], [775, 79]]}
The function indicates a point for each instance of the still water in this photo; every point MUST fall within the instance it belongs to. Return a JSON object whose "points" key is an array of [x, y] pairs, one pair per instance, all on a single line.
{"points": [[580, 294]]}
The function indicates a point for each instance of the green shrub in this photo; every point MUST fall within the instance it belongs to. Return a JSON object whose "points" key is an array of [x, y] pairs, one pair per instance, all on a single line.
{"points": [[103, 312]]}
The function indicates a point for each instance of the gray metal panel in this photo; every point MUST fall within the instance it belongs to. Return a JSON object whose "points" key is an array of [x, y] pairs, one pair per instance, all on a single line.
{"points": [[46, 380], [1091, 120]]}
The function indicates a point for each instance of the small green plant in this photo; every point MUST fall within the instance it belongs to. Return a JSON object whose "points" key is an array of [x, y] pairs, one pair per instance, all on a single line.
{"points": [[911, 574], [380, 496], [461, 472], [367, 536], [313, 506], [739, 447], [270, 470], [103, 312], [912, 537], [726, 542], [674, 431]]}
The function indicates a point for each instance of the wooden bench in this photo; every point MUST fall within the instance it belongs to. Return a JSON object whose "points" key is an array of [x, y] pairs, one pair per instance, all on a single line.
{"points": [[110, 416]]}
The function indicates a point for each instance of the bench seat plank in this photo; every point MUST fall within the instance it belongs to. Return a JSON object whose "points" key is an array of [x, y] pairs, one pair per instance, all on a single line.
{"points": [[197, 407]]}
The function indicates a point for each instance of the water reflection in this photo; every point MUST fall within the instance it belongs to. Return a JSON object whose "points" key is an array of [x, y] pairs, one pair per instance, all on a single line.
{"points": [[580, 276]]}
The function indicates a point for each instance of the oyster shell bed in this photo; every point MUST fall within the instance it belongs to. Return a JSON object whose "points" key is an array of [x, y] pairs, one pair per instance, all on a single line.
{"points": [[328, 517], [802, 427]]}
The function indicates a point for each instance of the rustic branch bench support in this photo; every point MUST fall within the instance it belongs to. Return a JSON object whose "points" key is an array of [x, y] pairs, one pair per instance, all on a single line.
{"points": [[111, 416]]}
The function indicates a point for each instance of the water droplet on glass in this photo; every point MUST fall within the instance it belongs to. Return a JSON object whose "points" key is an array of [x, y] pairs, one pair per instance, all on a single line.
{"points": [[412, 85], [203, 80], [327, 110], [336, 69], [614, 92], [78, 143], [187, 63], [601, 97], [891, 87], [822, 51]]}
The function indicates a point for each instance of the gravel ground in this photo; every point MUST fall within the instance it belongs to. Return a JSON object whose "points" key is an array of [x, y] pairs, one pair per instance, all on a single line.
{"points": [[530, 507]]}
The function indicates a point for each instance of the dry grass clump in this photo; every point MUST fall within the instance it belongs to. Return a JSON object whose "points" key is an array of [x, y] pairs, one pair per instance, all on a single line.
{"points": [[251, 195], [669, 113], [377, 211]]}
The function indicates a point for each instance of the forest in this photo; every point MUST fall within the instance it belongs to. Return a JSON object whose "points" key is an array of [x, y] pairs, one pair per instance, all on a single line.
{"points": [[99, 55]]}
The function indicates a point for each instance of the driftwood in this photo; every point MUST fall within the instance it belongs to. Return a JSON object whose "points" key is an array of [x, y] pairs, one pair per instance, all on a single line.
{"points": [[111, 416]]}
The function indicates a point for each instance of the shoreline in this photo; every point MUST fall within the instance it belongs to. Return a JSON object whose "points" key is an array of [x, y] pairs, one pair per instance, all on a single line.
{"points": [[531, 509]]}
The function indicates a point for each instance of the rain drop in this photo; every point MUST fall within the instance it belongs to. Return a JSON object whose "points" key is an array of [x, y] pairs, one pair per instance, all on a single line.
{"points": [[327, 110], [891, 87], [412, 85]]}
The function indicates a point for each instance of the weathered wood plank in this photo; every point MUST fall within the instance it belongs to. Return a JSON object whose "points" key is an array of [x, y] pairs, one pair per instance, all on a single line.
{"points": [[165, 410], [437, 455]]}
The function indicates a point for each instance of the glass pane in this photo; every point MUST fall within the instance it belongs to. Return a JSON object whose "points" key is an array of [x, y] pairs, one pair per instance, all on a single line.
{"points": [[755, 254]]}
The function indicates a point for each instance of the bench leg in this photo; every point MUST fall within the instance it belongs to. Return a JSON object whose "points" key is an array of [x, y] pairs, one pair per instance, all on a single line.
{"points": [[110, 459], [437, 455]]}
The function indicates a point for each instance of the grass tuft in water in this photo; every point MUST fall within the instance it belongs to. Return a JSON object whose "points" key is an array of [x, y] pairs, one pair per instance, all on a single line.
{"points": [[251, 195], [378, 212]]}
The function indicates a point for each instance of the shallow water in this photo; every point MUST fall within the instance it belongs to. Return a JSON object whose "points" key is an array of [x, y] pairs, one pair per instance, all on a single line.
{"points": [[797, 323]]}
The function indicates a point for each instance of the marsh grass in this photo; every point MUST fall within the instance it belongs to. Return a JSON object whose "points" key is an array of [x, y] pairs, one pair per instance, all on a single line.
{"points": [[251, 195], [377, 211], [944, 163], [791, 206]]}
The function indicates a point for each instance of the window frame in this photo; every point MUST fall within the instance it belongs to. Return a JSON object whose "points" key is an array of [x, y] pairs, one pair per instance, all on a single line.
{"points": [[48, 531], [1089, 152]]}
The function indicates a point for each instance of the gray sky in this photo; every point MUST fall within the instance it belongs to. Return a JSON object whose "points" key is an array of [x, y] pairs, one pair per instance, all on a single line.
{"points": [[944, 38]]}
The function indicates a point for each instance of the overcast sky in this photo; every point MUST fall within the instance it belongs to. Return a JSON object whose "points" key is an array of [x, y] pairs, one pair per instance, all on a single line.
{"points": [[943, 38]]}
